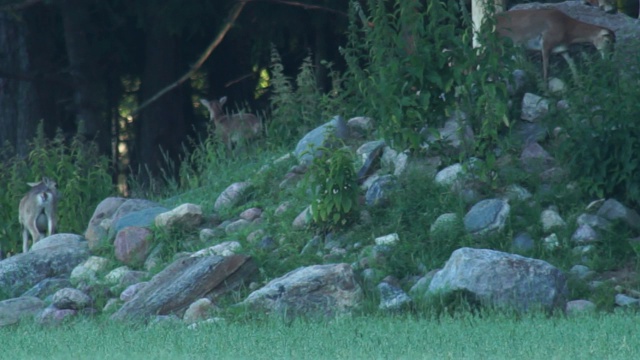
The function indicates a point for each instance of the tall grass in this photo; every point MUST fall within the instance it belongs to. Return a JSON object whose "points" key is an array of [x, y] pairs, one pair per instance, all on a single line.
{"points": [[612, 336]]}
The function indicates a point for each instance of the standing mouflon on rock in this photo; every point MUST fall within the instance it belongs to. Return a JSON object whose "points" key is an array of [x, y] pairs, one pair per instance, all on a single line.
{"points": [[37, 211]]}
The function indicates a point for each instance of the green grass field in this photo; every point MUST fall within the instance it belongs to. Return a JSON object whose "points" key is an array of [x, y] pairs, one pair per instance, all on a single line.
{"points": [[611, 336]]}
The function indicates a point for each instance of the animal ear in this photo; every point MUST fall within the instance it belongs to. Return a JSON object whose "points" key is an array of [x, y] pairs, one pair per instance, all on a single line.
{"points": [[205, 102], [222, 100], [32, 184], [50, 183]]}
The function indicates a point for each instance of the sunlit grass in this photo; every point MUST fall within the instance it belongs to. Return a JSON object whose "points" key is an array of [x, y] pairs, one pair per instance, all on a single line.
{"points": [[611, 336]]}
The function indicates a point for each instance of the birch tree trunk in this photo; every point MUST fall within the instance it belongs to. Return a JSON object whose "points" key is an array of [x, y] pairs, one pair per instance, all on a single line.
{"points": [[479, 12]]}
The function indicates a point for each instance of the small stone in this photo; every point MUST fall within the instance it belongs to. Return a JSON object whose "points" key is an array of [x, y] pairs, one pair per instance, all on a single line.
{"points": [[237, 226], [198, 310], [523, 242], [584, 234], [251, 214], [186, 215], [390, 239], [581, 272], [577, 307], [70, 298], [445, 223], [392, 298], [534, 107], [487, 216], [627, 301], [226, 248], [551, 242], [450, 175], [551, 220]]}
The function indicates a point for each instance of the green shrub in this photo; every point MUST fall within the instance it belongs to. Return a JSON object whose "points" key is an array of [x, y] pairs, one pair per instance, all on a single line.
{"points": [[404, 63], [601, 140], [283, 110], [332, 179]]}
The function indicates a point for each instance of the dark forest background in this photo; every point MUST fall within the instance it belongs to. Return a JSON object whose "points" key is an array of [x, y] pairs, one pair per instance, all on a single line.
{"points": [[92, 62]]}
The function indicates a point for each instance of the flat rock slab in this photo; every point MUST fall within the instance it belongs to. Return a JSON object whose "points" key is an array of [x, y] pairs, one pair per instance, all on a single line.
{"points": [[325, 290], [185, 281]]}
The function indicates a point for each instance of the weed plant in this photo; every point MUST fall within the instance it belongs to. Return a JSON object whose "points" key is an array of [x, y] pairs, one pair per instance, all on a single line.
{"points": [[600, 141], [297, 109]]}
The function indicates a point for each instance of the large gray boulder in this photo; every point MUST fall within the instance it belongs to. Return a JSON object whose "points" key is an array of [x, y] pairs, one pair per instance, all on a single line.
{"points": [[21, 272], [325, 290], [184, 281], [308, 146], [501, 280]]}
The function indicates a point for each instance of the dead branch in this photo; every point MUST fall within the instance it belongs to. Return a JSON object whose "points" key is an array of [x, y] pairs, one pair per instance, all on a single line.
{"points": [[235, 12]]}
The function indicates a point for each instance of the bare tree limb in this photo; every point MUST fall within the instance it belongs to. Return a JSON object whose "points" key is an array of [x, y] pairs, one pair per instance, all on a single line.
{"points": [[237, 80], [19, 5], [235, 12], [302, 5]]}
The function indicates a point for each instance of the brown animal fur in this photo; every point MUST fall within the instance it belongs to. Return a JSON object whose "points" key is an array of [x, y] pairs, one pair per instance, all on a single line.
{"points": [[552, 31], [38, 211], [232, 128]]}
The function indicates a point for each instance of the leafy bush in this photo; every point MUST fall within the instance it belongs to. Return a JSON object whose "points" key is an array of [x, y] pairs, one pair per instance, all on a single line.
{"points": [[332, 180], [483, 94], [601, 140], [80, 172], [404, 62]]}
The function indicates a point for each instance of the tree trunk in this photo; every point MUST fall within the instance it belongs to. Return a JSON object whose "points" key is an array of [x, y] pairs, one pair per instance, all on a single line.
{"points": [[88, 92], [321, 52], [18, 111], [161, 126]]}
